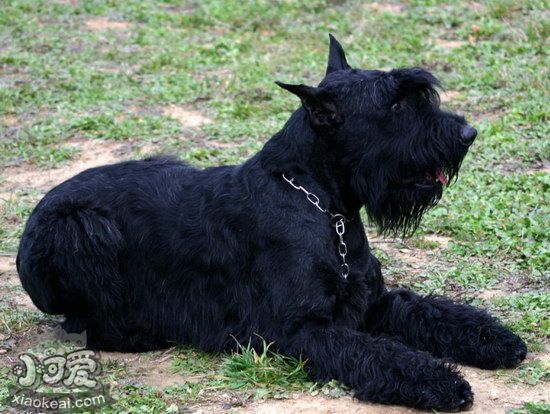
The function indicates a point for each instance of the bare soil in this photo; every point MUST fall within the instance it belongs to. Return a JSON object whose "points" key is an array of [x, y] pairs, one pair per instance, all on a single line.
{"points": [[187, 117], [386, 7], [449, 96], [92, 153], [450, 44], [101, 23]]}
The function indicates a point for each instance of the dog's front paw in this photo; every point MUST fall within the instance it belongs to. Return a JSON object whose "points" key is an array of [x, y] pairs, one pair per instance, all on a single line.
{"points": [[518, 352], [481, 341], [446, 391], [422, 383], [498, 347]]}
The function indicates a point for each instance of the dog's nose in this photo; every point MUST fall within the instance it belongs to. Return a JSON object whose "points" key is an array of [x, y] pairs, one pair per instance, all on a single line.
{"points": [[468, 134]]}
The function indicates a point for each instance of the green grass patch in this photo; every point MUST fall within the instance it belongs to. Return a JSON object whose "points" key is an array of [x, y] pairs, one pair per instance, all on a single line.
{"points": [[191, 361], [423, 243], [268, 374], [14, 320], [456, 276], [527, 314], [532, 408], [265, 370], [7, 380], [131, 127], [13, 213], [534, 373], [251, 373], [140, 399], [498, 217]]}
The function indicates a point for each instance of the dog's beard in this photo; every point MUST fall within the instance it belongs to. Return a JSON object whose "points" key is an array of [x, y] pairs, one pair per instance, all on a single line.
{"points": [[397, 194], [399, 211], [396, 203]]}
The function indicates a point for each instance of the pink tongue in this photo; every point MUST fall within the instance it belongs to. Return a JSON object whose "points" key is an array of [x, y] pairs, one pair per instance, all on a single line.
{"points": [[441, 177]]}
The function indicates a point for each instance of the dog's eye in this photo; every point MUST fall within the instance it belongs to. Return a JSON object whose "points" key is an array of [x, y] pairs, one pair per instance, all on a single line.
{"points": [[397, 106]]}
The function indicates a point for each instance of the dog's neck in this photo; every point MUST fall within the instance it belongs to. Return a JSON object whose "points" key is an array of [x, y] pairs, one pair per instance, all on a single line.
{"points": [[298, 150]]}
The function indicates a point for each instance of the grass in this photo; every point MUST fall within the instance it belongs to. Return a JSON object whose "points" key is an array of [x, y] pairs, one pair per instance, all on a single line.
{"points": [[527, 315], [533, 373], [533, 408], [14, 320], [140, 399], [13, 213], [268, 374], [64, 80], [461, 278], [265, 370], [191, 361]]}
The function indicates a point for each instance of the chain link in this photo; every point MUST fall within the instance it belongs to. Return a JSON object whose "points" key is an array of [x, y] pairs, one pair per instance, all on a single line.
{"points": [[336, 220]]}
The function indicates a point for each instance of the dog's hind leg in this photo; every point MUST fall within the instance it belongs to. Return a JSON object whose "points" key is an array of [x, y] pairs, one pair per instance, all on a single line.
{"points": [[68, 260], [68, 263], [381, 370], [446, 329]]}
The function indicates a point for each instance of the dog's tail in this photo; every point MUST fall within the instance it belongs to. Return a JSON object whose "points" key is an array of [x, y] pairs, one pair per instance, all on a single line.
{"points": [[68, 257]]}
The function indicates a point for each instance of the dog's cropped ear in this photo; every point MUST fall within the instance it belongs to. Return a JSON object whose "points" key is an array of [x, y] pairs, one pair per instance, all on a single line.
{"points": [[321, 108], [336, 56]]}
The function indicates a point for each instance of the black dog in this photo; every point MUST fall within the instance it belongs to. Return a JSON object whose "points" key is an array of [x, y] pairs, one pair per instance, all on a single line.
{"points": [[147, 253]]}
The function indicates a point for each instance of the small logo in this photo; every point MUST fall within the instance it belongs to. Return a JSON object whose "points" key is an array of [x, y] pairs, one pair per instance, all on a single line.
{"points": [[58, 380], [73, 370]]}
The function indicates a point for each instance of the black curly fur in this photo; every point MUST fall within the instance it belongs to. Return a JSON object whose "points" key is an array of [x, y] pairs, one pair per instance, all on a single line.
{"points": [[143, 254]]}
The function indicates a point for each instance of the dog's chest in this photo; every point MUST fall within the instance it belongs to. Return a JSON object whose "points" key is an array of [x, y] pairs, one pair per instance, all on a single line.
{"points": [[354, 295]]}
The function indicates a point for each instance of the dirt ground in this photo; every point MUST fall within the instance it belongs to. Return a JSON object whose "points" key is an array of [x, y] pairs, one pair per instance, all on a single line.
{"points": [[495, 392]]}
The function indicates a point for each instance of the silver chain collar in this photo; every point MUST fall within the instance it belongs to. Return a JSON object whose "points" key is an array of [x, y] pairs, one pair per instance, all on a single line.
{"points": [[336, 220]]}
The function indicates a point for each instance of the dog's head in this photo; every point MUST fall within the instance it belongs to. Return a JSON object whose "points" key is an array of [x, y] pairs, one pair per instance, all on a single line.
{"points": [[399, 148]]}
